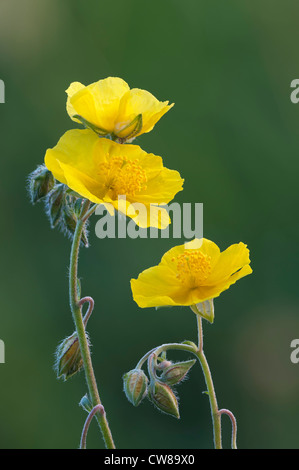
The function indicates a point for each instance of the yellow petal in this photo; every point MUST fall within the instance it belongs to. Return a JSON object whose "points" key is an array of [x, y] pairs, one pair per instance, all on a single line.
{"points": [[144, 215], [149, 215], [211, 292], [156, 286], [99, 102], [72, 89], [136, 102], [162, 184], [76, 148], [80, 182], [229, 262], [75, 159]]}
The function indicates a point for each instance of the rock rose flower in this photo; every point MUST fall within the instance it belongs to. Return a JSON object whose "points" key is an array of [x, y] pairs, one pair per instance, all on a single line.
{"points": [[191, 274], [110, 107], [123, 177]]}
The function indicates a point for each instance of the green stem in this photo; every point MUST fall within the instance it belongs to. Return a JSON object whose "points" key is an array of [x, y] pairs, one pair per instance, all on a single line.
{"points": [[166, 347], [97, 408], [216, 417], [89, 212], [234, 426], [84, 347]]}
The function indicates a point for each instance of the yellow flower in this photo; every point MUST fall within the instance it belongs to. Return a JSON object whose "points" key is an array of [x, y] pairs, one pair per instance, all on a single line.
{"points": [[110, 107], [104, 172], [191, 274]]}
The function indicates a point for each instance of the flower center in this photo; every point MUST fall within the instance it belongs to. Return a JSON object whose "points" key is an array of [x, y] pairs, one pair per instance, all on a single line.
{"points": [[193, 268], [123, 177]]}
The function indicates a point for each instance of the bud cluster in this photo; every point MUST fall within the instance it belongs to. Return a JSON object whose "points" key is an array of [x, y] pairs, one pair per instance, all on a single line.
{"points": [[158, 390], [62, 205]]}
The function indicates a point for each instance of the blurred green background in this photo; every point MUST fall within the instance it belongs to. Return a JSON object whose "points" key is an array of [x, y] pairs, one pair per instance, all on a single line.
{"points": [[234, 136]]}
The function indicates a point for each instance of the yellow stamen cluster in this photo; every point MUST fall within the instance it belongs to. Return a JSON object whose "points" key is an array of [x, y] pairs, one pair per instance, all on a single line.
{"points": [[193, 267], [123, 177]]}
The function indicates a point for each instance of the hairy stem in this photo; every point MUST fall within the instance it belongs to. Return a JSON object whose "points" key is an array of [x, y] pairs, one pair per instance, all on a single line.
{"points": [[166, 347], [216, 418], [89, 212], [76, 307], [234, 426], [97, 408]]}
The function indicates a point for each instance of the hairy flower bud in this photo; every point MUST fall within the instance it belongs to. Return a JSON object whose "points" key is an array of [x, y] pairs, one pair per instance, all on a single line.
{"points": [[163, 365], [68, 357], [41, 182], [176, 372], [78, 206], [55, 204], [69, 223], [163, 397], [135, 386]]}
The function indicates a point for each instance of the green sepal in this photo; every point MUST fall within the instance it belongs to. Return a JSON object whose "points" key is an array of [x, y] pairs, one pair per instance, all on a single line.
{"points": [[204, 309], [89, 125], [72, 193], [85, 403], [78, 206], [163, 397], [176, 372], [132, 129]]}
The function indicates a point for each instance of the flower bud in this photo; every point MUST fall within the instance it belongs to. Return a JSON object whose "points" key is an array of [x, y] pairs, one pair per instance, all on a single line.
{"points": [[55, 204], [135, 386], [69, 223], [164, 399], [163, 365], [176, 372], [78, 206], [41, 182], [68, 357], [70, 219]]}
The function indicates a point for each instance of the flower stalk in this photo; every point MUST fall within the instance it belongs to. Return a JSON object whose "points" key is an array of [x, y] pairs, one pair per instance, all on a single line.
{"points": [[96, 409], [76, 308], [216, 418], [234, 426]]}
